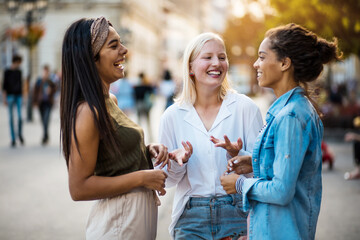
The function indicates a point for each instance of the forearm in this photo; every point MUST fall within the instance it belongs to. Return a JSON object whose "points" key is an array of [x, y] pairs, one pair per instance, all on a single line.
{"points": [[271, 192], [98, 187]]}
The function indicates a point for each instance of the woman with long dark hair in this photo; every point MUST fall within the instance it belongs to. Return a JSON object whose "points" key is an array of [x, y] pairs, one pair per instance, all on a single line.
{"points": [[284, 196], [105, 153]]}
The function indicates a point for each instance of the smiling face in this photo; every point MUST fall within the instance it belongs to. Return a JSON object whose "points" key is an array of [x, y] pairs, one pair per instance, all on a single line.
{"points": [[111, 57], [211, 65], [268, 67]]}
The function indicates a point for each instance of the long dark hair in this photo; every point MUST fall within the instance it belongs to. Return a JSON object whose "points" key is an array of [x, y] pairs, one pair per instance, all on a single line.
{"points": [[81, 83]]}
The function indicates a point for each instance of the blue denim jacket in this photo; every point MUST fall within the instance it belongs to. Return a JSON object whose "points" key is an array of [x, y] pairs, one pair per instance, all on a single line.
{"points": [[285, 194]]}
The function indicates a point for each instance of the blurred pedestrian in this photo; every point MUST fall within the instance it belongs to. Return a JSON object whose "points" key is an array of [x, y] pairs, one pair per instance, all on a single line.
{"points": [[104, 150], [12, 94], [167, 88], [144, 98], [206, 110], [124, 93], [43, 97], [285, 194], [355, 138]]}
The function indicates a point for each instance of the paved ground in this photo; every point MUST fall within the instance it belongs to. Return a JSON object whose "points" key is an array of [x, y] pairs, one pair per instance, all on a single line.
{"points": [[35, 202]]}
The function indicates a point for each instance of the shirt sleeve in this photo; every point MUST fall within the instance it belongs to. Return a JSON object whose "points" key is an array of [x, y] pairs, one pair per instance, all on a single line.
{"points": [[167, 137], [289, 152]]}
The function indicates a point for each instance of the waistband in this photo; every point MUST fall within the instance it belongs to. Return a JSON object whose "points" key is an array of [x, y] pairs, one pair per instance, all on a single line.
{"points": [[232, 199]]}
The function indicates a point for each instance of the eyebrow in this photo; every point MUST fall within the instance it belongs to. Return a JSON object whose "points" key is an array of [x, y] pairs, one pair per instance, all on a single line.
{"points": [[212, 53], [112, 41], [262, 52]]}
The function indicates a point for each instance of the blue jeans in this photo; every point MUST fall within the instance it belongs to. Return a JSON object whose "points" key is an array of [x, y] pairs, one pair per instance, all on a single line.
{"points": [[45, 110], [12, 100], [212, 218]]}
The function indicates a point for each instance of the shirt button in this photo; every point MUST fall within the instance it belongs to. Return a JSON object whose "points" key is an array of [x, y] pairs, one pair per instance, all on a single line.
{"points": [[255, 160]]}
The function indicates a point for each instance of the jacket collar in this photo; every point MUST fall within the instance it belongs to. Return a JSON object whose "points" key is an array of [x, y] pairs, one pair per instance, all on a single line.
{"points": [[282, 101], [192, 117]]}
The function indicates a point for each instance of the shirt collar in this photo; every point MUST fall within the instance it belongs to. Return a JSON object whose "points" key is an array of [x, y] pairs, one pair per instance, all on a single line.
{"points": [[228, 99], [193, 118], [282, 101]]}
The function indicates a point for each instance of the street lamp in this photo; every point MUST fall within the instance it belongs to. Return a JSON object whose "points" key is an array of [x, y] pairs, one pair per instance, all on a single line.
{"points": [[29, 11]]}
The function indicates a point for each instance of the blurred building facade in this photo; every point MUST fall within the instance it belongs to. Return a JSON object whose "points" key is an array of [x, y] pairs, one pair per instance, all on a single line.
{"points": [[155, 32]]}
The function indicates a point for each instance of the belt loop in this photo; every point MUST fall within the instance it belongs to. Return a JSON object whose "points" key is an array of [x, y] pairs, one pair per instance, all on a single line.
{"points": [[233, 199], [188, 206]]}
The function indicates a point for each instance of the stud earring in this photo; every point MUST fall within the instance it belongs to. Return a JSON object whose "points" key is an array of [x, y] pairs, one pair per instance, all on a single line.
{"points": [[192, 74]]}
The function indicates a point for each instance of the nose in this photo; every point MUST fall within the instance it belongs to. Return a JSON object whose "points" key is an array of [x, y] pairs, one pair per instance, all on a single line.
{"points": [[256, 64], [215, 61], [123, 50]]}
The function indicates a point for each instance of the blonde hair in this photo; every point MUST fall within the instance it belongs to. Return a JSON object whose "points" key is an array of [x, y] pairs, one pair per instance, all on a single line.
{"points": [[188, 94]]}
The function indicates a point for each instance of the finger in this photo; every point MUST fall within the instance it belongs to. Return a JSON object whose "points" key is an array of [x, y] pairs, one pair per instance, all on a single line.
{"points": [[162, 153], [180, 162], [213, 139], [152, 151], [227, 140], [240, 143], [220, 144], [169, 165], [186, 147], [165, 161], [190, 146], [162, 192]]}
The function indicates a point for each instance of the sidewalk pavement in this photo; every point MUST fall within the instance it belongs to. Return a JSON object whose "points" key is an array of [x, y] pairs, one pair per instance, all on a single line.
{"points": [[35, 201]]}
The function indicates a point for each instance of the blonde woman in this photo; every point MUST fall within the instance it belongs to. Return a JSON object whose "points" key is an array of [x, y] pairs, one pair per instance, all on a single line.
{"points": [[206, 111]]}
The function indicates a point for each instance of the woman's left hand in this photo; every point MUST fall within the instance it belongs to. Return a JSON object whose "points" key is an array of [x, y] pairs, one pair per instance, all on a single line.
{"points": [[160, 153], [228, 181], [232, 148]]}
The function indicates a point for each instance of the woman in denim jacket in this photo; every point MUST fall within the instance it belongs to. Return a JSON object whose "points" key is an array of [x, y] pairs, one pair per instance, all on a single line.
{"points": [[284, 195]]}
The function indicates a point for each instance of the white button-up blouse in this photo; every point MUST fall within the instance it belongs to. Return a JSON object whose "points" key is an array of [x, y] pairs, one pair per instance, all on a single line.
{"points": [[200, 176]]}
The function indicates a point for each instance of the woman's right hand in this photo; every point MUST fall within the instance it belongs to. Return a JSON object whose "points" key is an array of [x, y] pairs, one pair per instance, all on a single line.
{"points": [[182, 155], [240, 165], [154, 179]]}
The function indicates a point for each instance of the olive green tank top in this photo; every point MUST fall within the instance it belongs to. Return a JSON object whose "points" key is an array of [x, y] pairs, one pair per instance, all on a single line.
{"points": [[134, 154]]}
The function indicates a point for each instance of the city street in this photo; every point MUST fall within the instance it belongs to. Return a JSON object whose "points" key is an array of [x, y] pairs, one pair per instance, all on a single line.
{"points": [[35, 203]]}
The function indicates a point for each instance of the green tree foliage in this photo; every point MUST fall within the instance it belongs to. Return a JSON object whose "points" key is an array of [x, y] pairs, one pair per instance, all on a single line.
{"points": [[328, 18], [245, 32]]}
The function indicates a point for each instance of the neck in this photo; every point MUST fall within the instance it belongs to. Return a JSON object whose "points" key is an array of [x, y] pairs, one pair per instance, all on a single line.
{"points": [[285, 84], [284, 89], [106, 87], [205, 99]]}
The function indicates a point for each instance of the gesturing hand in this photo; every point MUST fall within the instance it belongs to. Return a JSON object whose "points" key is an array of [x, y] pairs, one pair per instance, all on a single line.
{"points": [[160, 153], [240, 165], [232, 148], [182, 155]]}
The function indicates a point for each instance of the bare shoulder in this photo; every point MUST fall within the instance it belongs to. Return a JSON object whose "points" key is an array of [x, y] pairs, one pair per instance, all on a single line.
{"points": [[85, 122], [113, 97]]}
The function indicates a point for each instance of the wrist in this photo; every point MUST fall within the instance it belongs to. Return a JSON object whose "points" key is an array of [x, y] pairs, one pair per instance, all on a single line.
{"points": [[141, 178], [239, 184]]}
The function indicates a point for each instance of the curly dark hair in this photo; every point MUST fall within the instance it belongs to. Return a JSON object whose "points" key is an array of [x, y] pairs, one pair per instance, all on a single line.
{"points": [[307, 51]]}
